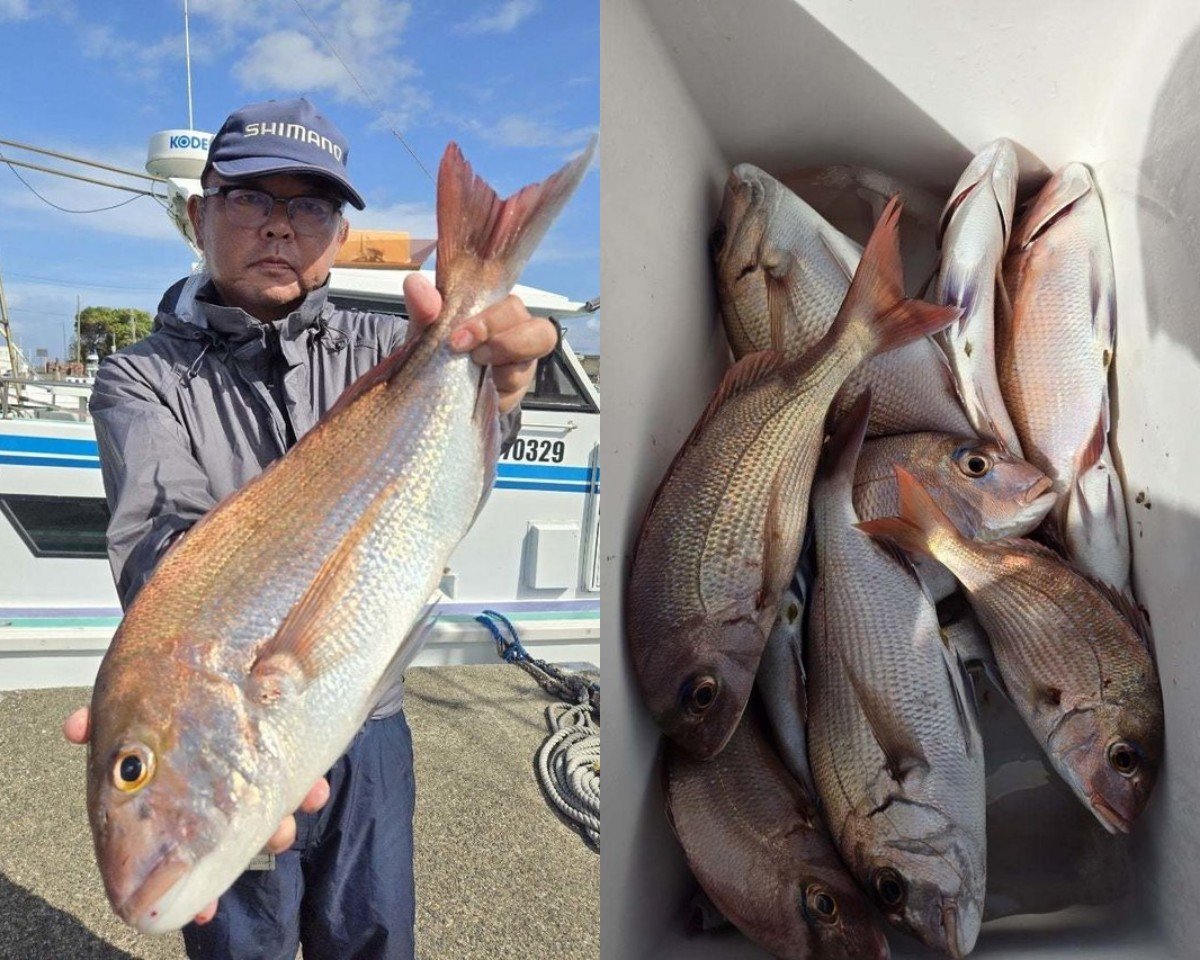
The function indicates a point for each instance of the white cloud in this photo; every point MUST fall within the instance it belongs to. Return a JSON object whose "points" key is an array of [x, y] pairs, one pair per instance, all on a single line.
{"points": [[14, 10], [132, 60], [419, 219], [365, 35], [502, 19], [521, 131]]}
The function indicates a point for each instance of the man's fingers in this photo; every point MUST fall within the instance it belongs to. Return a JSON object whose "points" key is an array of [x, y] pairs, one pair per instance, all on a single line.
{"points": [[316, 797], [77, 727], [284, 836], [518, 344], [206, 914], [422, 299], [512, 381], [490, 323]]}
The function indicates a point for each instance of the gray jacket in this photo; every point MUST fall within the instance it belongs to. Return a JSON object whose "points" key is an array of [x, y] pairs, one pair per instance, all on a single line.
{"points": [[202, 405]]}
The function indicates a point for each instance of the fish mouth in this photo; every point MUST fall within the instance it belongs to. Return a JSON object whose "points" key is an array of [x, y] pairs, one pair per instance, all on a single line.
{"points": [[953, 931], [1108, 815], [138, 908], [1037, 489]]}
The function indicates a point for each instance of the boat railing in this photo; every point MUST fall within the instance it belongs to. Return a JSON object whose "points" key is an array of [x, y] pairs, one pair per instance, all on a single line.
{"points": [[35, 398]]}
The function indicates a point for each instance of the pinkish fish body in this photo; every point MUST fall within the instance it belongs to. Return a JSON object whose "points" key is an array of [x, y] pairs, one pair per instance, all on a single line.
{"points": [[263, 640]]}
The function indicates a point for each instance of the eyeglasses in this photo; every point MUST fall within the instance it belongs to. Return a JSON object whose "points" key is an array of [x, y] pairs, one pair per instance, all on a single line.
{"points": [[309, 216]]}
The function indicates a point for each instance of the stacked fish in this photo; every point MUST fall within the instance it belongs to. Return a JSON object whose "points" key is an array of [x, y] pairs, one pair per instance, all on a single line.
{"points": [[866, 587]]}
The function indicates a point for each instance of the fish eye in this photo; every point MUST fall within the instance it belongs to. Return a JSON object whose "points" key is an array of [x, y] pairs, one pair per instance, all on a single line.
{"points": [[974, 464], [820, 903], [699, 693], [890, 887], [1123, 757], [133, 769]]}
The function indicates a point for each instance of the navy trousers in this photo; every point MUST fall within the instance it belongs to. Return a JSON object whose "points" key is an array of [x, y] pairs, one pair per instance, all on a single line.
{"points": [[345, 888]]}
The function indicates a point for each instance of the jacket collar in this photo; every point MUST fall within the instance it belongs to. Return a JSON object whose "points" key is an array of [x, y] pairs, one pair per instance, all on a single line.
{"points": [[242, 334]]}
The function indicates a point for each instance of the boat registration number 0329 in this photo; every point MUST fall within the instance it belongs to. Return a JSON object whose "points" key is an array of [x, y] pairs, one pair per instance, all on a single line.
{"points": [[536, 451]]}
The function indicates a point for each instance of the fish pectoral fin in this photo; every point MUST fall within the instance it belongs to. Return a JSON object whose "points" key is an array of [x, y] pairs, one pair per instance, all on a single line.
{"points": [[960, 683], [902, 751], [303, 637]]}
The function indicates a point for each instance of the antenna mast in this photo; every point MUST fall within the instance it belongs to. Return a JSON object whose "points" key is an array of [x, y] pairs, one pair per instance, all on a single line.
{"points": [[187, 48]]}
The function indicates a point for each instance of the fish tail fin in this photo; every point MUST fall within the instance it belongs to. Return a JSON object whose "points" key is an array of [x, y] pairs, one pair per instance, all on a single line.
{"points": [[480, 233], [921, 526], [875, 309], [845, 444]]}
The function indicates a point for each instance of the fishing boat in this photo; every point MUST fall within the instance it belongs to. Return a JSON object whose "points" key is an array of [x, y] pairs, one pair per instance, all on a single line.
{"points": [[531, 556]]}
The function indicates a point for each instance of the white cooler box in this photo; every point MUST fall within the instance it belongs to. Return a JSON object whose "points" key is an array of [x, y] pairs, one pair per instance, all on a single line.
{"points": [[692, 87]]}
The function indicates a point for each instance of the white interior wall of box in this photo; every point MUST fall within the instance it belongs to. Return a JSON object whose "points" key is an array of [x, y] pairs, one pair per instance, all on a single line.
{"points": [[693, 87]]}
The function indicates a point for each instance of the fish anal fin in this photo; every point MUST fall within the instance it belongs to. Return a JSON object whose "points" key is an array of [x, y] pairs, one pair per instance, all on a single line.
{"points": [[902, 752]]}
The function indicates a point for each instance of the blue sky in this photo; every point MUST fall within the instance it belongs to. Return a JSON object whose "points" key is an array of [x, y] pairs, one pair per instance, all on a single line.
{"points": [[514, 82]]}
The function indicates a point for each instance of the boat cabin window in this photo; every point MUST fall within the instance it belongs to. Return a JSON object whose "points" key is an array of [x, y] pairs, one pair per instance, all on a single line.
{"points": [[555, 385], [58, 526]]}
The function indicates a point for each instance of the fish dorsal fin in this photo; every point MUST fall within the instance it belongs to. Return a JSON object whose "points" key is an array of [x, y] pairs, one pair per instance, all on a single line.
{"points": [[383, 372], [751, 369], [952, 207], [1070, 185], [741, 376], [1125, 606], [902, 752]]}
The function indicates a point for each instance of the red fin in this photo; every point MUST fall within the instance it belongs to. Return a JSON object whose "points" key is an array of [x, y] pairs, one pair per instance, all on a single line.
{"points": [[1125, 606], [474, 224], [778, 310], [1094, 448], [384, 371], [299, 638], [843, 448], [920, 518], [742, 375], [907, 536], [876, 301]]}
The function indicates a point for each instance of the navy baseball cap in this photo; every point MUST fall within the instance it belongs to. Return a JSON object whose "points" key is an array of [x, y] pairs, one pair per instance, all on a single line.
{"points": [[282, 136]]}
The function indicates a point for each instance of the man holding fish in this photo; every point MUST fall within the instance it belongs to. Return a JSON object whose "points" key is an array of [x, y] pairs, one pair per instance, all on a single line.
{"points": [[244, 360]]}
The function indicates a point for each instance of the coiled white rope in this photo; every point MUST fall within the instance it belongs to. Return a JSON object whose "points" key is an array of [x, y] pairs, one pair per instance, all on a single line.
{"points": [[568, 767]]}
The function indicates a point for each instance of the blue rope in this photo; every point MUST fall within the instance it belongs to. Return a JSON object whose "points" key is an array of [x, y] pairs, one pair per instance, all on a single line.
{"points": [[573, 689]]}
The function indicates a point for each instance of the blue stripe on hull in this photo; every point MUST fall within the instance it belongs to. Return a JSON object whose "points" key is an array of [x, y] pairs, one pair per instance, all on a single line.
{"points": [[510, 476], [24, 444], [17, 461]]}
